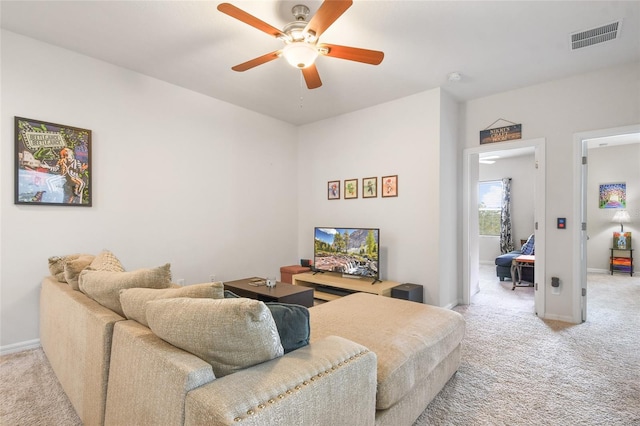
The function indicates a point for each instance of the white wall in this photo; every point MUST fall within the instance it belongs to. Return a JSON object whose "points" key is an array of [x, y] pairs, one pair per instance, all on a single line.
{"points": [[402, 137], [520, 170], [614, 164], [178, 177], [556, 110]]}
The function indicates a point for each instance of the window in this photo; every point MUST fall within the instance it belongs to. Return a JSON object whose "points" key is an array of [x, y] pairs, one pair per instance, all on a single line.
{"points": [[489, 207]]}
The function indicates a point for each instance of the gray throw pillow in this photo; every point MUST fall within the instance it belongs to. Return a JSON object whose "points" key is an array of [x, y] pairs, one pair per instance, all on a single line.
{"points": [[292, 322]]}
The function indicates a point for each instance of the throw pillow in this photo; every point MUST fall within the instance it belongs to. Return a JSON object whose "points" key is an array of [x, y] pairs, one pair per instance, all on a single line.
{"points": [[104, 286], [291, 320], [72, 269], [230, 334], [293, 324], [56, 265], [134, 300], [529, 247], [106, 261]]}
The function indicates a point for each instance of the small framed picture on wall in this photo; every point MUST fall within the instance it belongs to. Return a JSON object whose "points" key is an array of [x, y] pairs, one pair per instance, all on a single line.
{"points": [[390, 186], [333, 190], [369, 187], [350, 189]]}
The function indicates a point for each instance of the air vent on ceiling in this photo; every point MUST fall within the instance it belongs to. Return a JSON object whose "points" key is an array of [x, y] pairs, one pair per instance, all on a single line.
{"points": [[595, 35]]}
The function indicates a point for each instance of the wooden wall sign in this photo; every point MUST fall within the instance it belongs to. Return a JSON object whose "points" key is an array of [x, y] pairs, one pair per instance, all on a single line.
{"points": [[501, 134]]}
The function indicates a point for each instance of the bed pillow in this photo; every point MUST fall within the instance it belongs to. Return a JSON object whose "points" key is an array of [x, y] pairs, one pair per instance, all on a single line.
{"points": [[291, 320], [529, 247], [229, 334], [104, 286], [134, 300]]}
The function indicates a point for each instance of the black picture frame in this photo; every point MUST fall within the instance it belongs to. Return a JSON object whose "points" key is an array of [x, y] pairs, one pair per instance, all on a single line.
{"points": [[52, 164]]}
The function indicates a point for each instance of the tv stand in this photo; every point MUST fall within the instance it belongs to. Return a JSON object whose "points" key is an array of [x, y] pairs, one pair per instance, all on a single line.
{"points": [[331, 286]]}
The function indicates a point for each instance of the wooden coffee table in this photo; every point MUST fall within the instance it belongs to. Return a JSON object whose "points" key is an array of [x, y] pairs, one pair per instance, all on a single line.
{"points": [[282, 292]]}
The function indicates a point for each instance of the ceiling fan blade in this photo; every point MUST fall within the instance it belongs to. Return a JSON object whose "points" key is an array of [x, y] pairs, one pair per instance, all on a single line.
{"points": [[373, 57], [257, 61], [326, 15], [248, 19], [311, 77]]}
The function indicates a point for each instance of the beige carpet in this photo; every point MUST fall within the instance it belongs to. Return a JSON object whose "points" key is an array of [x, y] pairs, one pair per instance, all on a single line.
{"points": [[519, 370], [516, 369]]}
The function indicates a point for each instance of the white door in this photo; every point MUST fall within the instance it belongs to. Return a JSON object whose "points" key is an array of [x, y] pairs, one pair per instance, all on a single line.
{"points": [[470, 217]]}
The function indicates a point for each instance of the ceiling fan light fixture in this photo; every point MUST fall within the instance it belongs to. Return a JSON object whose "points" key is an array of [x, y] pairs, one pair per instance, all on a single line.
{"points": [[300, 54]]}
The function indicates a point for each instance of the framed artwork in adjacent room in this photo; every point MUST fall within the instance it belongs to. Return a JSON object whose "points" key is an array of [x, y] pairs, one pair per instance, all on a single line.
{"points": [[613, 196], [333, 190], [369, 187], [390, 186], [350, 189], [622, 240], [52, 164]]}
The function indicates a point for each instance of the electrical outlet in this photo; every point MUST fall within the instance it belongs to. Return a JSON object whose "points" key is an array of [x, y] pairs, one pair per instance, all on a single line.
{"points": [[212, 277], [181, 281]]}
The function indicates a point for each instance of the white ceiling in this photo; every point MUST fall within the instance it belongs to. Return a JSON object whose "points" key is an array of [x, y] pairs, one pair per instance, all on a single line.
{"points": [[495, 45]]}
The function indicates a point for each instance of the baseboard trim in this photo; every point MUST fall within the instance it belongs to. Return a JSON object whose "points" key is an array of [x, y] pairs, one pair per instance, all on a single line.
{"points": [[598, 271], [19, 347], [562, 318]]}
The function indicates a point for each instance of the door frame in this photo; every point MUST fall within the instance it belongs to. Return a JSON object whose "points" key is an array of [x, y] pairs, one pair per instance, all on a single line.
{"points": [[470, 218], [580, 178]]}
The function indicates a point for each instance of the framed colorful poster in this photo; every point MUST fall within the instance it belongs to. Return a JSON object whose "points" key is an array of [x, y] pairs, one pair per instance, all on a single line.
{"points": [[52, 164], [350, 189], [390, 186], [370, 187], [333, 190], [613, 196]]}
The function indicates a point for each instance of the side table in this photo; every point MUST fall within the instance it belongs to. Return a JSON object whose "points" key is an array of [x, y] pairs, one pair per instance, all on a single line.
{"points": [[522, 261], [622, 264]]}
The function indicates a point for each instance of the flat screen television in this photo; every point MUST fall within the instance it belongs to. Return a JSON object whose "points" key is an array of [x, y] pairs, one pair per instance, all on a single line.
{"points": [[353, 252]]}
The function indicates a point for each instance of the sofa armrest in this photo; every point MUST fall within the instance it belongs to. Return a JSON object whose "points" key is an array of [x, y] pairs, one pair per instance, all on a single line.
{"points": [[75, 334], [329, 382], [150, 378]]}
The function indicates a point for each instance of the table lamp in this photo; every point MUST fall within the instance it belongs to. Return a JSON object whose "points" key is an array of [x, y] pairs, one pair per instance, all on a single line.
{"points": [[621, 216]]}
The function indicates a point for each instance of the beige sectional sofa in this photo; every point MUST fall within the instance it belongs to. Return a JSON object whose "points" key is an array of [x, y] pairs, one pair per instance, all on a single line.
{"points": [[371, 360]]}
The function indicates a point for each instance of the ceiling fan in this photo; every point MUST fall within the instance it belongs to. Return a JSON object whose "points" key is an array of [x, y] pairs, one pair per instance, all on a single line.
{"points": [[301, 39]]}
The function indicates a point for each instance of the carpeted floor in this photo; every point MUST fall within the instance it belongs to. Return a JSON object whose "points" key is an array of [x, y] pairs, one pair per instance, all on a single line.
{"points": [[519, 370], [516, 369]]}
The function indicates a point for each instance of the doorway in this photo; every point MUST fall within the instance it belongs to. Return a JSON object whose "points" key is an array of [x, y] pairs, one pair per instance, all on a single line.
{"points": [[582, 143], [471, 264]]}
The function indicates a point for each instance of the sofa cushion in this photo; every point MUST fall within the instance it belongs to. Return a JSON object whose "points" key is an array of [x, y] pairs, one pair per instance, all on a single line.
{"points": [[410, 339], [507, 258], [292, 322], [72, 269], [134, 300], [230, 334], [104, 286]]}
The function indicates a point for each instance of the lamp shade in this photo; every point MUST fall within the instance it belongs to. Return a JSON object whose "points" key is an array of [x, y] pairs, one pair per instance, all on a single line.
{"points": [[300, 54], [621, 216]]}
